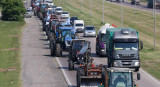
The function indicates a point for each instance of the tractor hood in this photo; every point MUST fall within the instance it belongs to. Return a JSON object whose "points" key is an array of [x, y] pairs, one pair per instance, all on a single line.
{"points": [[68, 38]]}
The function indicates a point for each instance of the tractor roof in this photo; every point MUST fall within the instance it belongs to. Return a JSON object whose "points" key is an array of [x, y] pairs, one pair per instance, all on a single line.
{"points": [[113, 69]]}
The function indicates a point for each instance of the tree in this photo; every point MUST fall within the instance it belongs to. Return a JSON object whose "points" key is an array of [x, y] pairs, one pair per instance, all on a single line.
{"points": [[13, 10]]}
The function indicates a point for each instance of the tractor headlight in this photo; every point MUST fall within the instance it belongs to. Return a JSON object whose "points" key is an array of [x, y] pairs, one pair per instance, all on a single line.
{"points": [[136, 64], [78, 58], [82, 58]]}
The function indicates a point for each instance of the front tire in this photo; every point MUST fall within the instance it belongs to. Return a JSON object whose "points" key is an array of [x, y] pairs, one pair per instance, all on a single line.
{"points": [[78, 78], [71, 65]]}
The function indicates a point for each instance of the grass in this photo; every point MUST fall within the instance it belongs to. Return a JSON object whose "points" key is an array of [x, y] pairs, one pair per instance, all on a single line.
{"points": [[140, 20], [10, 36]]}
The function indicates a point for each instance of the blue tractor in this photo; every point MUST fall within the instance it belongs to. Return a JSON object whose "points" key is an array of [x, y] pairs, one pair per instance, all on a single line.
{"points": [[62, 38]]}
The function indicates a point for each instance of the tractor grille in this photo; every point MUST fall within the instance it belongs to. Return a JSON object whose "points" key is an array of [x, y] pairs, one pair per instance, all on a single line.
{"points": [[127, 56]]}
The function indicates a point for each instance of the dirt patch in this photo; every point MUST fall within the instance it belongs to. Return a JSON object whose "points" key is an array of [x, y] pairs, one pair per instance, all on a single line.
{"points": [[8, 49], [8, 69], [13, 35]]}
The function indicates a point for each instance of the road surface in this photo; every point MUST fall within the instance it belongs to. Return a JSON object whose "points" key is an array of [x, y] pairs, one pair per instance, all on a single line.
{"points": [[39, 69]]}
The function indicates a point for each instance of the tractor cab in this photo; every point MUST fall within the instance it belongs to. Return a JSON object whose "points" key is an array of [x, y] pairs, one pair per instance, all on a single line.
{"points": [[66, 35], [120, 77]]}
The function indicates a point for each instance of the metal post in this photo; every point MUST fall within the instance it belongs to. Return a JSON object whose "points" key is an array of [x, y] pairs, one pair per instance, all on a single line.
{"points": [[121, 16], [153, 9], [103, 12], [154, 25]]}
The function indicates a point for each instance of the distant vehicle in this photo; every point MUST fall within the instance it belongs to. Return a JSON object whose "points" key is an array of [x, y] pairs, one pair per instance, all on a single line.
{"points": [[50, 3], [28, 13], [64, 15], [79, 25], [113, 0], [54, 7], [150, 4], [89, 31], [133, 2], [101, 40], [58, 10], [72, 19], [119, 1]]}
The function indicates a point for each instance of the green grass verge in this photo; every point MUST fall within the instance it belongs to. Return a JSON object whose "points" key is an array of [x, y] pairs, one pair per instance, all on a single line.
{"points": [[141, 21], [10, 36]]}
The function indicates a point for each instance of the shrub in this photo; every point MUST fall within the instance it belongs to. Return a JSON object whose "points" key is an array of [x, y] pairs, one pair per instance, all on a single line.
{"points": [[13, 10]]}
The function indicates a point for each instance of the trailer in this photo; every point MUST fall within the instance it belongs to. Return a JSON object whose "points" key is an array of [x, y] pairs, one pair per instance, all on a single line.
{"points": [[101, 40]]}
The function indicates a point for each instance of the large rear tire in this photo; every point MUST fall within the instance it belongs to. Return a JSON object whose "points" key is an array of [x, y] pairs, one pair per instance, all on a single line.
{"points": [[52, 47], [58, 50]]}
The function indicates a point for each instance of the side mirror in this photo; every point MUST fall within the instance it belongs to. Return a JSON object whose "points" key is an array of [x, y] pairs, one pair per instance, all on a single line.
{"points": [[141, 45], [138, 76]]}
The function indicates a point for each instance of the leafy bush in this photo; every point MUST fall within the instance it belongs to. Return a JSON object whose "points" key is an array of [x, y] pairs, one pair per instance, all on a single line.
{"points": [[13, 10]]}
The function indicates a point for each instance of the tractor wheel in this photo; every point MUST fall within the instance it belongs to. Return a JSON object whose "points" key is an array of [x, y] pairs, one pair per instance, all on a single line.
{"points": [[71, 65], [58, 50], [52, 47], [78, 78]]}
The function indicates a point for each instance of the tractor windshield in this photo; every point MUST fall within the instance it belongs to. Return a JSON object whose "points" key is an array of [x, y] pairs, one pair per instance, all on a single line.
{"points": [[123, 79], [103, 37], [77, 45], [66, 33]]}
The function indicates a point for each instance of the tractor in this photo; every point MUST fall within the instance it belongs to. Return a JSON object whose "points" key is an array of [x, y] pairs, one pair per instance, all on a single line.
{"points": [[78, 52]]}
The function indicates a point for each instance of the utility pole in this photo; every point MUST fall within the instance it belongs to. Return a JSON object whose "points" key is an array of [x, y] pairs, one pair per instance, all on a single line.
{"points": [[135, 6], [153, 9], [154, 25], [103, 12]]}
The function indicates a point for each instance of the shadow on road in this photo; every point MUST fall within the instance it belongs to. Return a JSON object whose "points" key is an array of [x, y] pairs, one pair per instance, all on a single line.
{"points": [[43, 39]]}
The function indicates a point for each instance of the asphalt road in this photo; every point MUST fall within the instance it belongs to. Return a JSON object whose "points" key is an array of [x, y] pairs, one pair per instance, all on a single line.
{"points": [[39, 69]]}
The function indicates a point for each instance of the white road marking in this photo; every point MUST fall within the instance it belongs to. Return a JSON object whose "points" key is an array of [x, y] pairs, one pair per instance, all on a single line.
{"points": [[63, 72], [155, 80]]}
